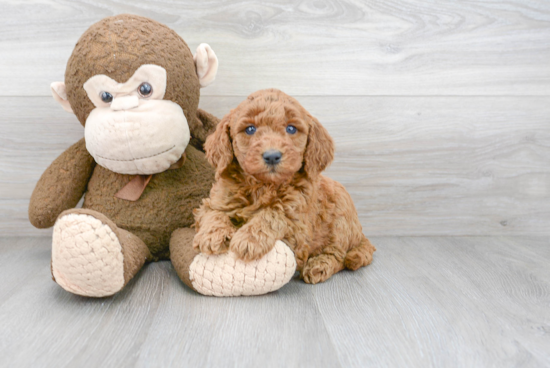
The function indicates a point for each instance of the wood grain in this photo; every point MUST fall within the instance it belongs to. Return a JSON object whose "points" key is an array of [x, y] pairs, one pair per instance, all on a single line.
{"points": [[467, 302], [413, 165], [312, 47], [424, 302]]}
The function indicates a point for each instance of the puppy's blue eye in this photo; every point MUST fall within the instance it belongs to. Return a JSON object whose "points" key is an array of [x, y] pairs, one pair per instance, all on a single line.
{"points": [[250, 130], [106, 97], [291, 129]]}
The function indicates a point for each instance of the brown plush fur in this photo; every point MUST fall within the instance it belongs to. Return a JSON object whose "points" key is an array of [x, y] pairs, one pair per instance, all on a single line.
{"points": [[61, 186], [252, 205], [165, 205], [116, 47]]}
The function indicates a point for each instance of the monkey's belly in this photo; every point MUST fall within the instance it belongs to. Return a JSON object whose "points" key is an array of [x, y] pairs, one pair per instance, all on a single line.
{"points": [[166, 204]]}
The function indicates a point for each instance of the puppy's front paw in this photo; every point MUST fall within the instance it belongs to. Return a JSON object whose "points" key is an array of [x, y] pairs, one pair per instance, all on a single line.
{"points": [[215, 240], [249, 245]]}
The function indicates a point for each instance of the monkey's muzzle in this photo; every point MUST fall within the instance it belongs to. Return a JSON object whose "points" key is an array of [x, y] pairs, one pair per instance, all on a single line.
{"points": [[143, 140]]}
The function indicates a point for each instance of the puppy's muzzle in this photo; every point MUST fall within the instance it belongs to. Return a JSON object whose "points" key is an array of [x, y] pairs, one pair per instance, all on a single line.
{"points": [[272, 157]]}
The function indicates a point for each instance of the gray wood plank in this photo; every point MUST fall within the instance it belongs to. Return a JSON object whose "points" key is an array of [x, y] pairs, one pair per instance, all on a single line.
{"points": [[280, 329], [424, 302], [321, 47], [154, 314], [68, 330], [474, 302], [413, 165]]}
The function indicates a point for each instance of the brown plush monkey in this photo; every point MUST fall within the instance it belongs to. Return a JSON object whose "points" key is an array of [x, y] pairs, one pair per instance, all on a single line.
{"points": [[134, 84]]}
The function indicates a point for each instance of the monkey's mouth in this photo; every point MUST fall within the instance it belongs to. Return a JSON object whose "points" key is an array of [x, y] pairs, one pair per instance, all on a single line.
{"points": [[138, 158]]}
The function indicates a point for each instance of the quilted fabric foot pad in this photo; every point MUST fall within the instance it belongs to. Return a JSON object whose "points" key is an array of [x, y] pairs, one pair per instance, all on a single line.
{"points": [[86, 256], [223, 275]]}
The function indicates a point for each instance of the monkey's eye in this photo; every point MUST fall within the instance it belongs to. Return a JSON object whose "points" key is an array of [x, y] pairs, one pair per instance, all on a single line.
{"points": [[106, 97], [291, 129], [145, 89], [250, 130]]}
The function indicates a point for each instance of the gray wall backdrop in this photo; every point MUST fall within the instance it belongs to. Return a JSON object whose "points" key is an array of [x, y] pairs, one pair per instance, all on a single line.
{"points": [[440, 109]]}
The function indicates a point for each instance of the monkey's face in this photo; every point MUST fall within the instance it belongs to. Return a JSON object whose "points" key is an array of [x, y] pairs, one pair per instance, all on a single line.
{"points": [[132, 130], [134, 85]]}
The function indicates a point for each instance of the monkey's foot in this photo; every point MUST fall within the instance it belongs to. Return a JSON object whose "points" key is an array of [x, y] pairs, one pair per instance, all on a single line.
{"points": [[91, 256], [223, 275]]}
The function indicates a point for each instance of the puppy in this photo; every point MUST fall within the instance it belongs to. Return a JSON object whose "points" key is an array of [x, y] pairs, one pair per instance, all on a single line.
{"points": [[269, 153]]}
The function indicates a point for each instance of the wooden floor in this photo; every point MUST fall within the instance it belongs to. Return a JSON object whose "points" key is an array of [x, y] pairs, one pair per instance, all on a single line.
{"points": [[424, 302]]}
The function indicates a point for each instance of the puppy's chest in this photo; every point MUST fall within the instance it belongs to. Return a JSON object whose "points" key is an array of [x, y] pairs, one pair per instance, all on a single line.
{"points": [[292, 203]]}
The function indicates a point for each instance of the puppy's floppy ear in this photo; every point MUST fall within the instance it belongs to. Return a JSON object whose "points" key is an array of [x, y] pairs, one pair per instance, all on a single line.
{"points": [[218, 148], [319, 150]]}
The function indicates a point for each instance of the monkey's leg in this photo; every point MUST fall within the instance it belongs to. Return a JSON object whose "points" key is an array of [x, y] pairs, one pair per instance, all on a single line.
{"points": [[91, 256], [223, 275]]}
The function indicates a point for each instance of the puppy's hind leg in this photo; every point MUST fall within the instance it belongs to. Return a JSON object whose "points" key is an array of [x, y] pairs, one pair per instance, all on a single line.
{"points": [[321, 267], [360, 255], [347, 248]]}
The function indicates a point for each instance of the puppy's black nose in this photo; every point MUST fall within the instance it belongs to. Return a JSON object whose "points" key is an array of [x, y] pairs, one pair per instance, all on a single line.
{"points": [[272, 157]]}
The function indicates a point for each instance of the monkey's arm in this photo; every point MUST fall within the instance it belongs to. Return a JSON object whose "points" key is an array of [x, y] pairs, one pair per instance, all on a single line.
{"points": [[61, 186], [204, 125]]}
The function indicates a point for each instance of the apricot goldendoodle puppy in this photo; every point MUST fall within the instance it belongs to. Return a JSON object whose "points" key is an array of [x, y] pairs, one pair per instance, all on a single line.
{"points": [[269, 153]]}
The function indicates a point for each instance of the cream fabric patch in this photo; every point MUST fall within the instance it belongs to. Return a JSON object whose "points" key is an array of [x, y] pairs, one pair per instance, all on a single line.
{"points": [[206, 63], [86, 256], [223, 275], [153, 74], [134, 134], [145, 140], [59, 93]]}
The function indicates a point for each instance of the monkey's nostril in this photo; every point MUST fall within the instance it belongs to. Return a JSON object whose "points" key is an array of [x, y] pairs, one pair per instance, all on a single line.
{"points": [[272, 157]]}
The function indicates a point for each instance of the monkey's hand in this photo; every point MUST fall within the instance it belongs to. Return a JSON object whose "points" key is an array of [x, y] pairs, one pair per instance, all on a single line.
{"points": [[204, 125], [61, 186]]}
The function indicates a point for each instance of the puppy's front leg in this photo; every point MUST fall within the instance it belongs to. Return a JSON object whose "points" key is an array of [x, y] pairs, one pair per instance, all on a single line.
{"points": [[214, 231], [258, 236]]}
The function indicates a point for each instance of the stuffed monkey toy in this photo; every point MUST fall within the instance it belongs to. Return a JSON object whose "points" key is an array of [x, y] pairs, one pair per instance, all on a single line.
{"points": [[134, 85]]}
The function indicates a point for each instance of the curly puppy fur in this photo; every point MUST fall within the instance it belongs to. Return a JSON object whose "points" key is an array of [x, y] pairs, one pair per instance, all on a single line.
{"points": [[253, 204]]}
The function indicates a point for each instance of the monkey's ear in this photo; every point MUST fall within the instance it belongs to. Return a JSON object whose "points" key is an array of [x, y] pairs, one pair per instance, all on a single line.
{"points": [[206, 63], [60, 95]]}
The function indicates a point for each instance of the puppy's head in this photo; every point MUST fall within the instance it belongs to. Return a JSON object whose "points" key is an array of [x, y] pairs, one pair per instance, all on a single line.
{"points": [[272, 137]]}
